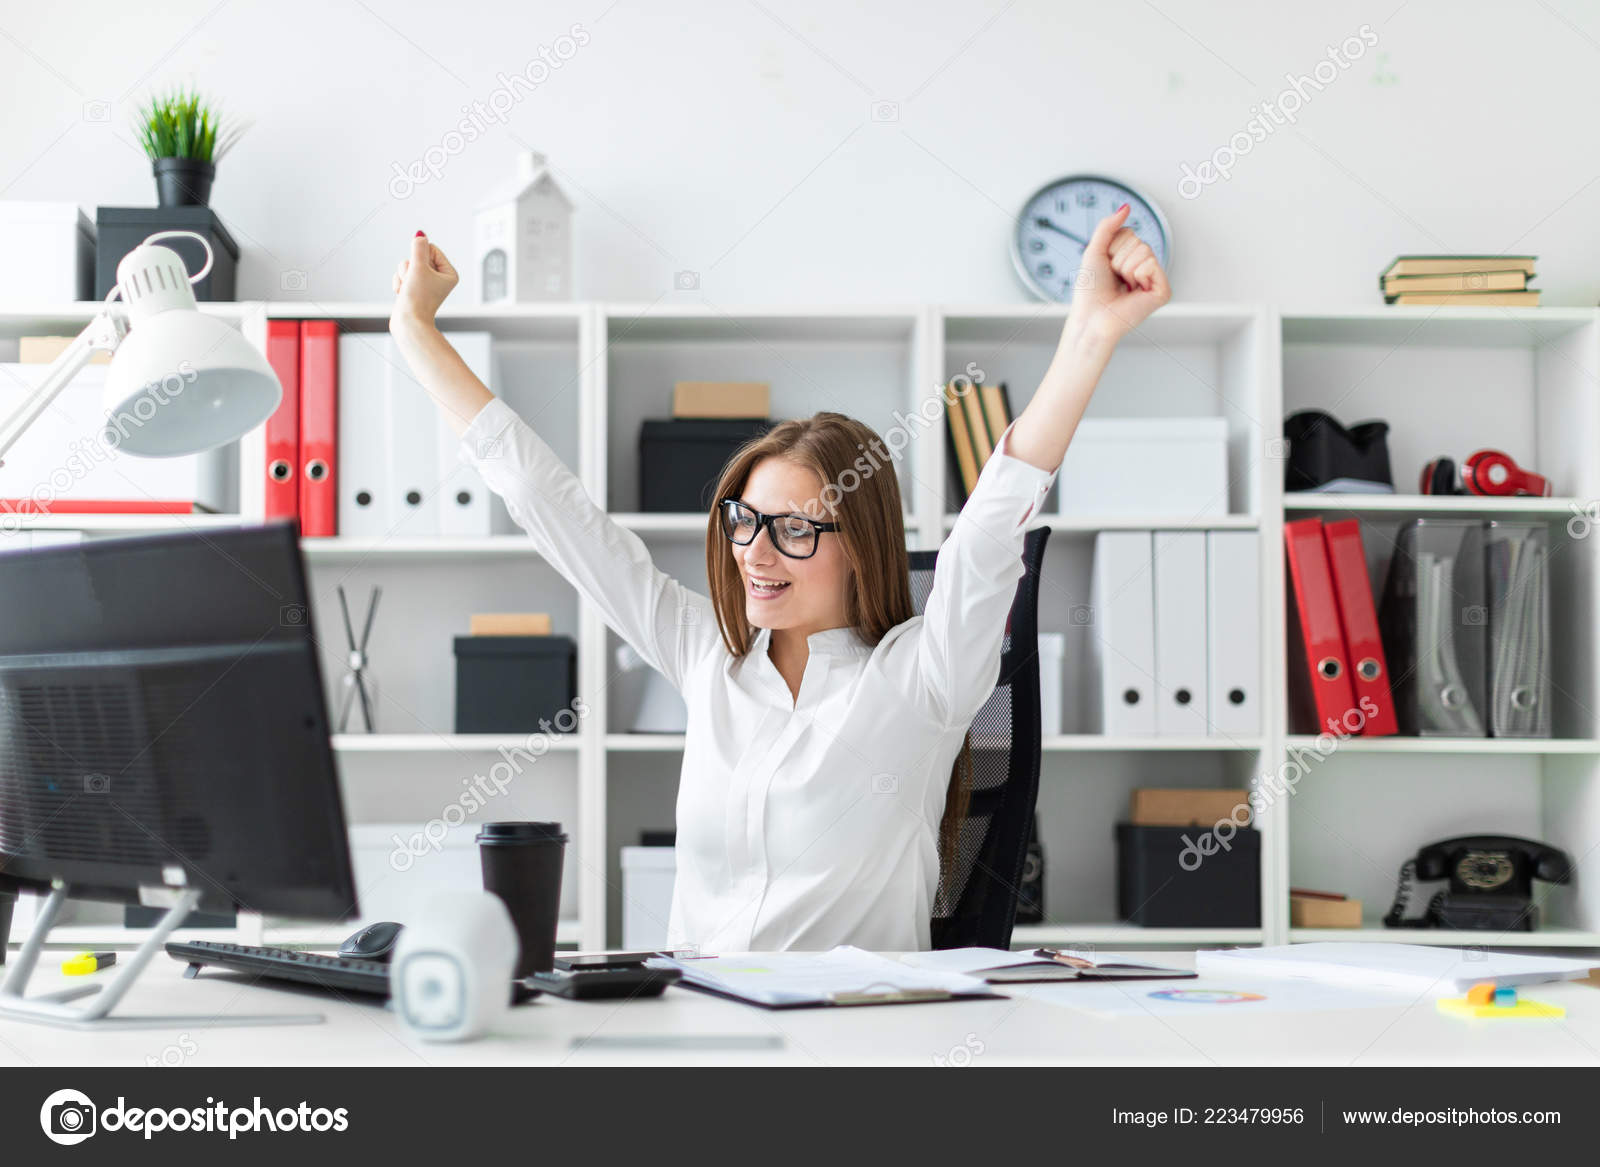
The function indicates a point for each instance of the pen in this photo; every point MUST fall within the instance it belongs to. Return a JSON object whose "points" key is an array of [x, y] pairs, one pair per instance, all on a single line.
{"points": [[87, 962], [1065, 958]]}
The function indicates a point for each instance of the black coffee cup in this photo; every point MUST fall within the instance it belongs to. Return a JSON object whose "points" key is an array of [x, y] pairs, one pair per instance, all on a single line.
{"points": [[8, 901], [522, 865]]}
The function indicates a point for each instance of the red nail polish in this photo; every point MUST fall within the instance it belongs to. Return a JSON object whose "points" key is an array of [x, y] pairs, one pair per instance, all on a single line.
{"points": [[1123, 207], [419, 232]]}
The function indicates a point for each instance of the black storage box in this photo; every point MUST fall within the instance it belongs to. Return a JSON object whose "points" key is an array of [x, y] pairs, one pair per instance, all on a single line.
{"points": [[118, 230], [506, 684], [681, 458], [1189, 877]]}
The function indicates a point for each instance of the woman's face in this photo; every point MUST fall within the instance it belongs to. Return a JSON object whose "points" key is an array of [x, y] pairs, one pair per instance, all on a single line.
{"points": [[810, 594]]}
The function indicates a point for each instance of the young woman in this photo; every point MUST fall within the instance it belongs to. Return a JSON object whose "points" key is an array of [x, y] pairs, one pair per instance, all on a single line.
{"points": [[823, 759]]}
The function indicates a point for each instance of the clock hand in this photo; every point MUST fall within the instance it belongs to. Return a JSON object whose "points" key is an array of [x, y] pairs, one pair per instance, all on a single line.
{"points": [[1046, 225]]}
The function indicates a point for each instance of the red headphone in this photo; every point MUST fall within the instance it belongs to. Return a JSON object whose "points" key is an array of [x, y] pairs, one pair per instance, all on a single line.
{"points": [[1487, 472]]}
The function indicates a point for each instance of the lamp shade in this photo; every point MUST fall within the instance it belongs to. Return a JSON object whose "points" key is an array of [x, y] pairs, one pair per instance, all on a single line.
{"points": [[180, 382]]}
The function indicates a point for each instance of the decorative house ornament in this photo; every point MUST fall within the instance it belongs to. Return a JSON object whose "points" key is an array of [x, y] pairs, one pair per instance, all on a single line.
{"points": [[524, 238]]}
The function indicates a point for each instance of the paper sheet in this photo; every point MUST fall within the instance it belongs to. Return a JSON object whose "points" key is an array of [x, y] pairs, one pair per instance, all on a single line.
{"points": [[967, 960], [799, 978], [1210, 997], [1435, 969]]}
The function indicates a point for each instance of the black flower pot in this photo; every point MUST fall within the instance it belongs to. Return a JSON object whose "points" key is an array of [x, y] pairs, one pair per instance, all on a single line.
{"points": [[183, 182]]}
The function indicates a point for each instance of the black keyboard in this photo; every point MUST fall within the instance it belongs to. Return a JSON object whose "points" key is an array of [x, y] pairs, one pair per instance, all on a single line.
{"points": [[344, 973]]}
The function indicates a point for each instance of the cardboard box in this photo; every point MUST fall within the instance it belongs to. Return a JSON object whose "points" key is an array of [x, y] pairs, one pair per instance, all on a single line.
{"points": [[721, 399], [43, 350], [1316, 912], [1151, 807], [510, 624]]}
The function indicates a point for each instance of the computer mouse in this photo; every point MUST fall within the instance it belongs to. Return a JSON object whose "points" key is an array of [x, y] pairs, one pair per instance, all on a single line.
{"points": [[374, 942]]}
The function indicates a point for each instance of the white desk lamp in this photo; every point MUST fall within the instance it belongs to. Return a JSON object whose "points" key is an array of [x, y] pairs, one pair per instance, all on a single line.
{"points": [[180, 382]]}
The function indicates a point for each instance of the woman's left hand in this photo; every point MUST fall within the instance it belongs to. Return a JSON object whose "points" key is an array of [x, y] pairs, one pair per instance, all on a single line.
{"points": [[1119, 283]]}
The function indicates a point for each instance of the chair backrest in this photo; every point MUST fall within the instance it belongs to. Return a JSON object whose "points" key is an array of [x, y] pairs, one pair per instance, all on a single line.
{"points": [[977, 901]]}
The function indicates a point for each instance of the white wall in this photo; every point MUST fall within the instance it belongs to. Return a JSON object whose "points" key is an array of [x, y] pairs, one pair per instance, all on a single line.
{"points": [[735, 139]]}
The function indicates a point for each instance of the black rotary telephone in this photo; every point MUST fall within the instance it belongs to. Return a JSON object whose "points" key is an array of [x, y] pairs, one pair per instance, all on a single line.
{"points": [[1491, 883]]}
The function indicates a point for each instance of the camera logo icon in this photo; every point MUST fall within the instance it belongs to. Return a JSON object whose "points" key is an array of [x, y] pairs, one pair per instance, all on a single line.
{"points": [[1081, 615], [489, 448], [885, 783], [1277, 448], [885, 111], [292, 615], [1474, 615], [68, 1117], [97, 111], [293, 280], [686, 281], [97, 783]]}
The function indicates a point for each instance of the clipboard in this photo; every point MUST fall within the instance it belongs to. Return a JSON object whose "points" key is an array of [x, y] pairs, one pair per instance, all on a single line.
{"points": [[868, 995]]}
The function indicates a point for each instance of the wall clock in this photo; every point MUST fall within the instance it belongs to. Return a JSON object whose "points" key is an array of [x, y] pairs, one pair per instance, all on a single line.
{"points": [[1055, 223]]}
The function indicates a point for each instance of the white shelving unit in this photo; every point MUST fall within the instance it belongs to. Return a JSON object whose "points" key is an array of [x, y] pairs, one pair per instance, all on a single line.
{"points": [[586, 374]]}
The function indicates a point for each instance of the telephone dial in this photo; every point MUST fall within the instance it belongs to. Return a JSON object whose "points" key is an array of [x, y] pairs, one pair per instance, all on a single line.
{"points": [[1491, 883]]}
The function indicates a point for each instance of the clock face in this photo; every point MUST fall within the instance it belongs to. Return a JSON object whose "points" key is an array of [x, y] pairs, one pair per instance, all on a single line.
{"points": [[1054, 227]]}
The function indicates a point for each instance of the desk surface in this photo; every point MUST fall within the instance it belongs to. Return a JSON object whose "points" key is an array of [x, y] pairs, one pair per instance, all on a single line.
{"points": [[686, 1027]]}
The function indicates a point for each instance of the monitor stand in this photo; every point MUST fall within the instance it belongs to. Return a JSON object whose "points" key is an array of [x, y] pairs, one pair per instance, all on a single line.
{"points": [[53, 1008]]}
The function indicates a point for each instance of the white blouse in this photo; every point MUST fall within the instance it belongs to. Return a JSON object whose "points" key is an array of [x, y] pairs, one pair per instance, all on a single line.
{"points": [[802, 823]]}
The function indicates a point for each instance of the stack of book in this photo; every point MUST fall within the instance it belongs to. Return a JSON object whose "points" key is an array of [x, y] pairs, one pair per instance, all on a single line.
{"points": [[977, 416], [1484, 280]]}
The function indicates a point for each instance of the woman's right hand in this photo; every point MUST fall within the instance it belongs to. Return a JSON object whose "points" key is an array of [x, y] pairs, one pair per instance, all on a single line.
{"points": [[421, 283]]}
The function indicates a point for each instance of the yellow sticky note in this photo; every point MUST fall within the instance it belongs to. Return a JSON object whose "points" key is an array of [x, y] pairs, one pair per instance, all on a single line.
{"points": [[1466, 1007]]}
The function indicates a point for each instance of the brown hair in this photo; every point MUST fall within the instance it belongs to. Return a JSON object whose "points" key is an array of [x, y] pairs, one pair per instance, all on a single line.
{"points": [[838, 449]]}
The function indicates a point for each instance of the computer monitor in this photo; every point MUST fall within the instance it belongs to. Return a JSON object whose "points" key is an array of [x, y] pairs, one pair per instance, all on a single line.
{"points": [[164, 731]]}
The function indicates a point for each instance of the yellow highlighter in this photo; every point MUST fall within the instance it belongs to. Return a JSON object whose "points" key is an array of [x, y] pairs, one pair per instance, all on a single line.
{"points": [[87, 962]]}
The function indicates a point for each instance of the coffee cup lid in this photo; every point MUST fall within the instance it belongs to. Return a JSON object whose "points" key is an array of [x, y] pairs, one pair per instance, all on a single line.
{"points": [[503, 834]]}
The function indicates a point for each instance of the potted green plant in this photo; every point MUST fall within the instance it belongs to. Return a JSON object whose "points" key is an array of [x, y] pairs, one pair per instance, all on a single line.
{"points": [[184, 135]]}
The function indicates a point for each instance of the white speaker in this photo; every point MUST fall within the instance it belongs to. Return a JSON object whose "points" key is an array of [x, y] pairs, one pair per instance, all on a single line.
{"points": [[450, 976]]}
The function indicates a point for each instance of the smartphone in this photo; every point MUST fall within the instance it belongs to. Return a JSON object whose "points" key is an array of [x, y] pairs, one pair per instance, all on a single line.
{"points": [[602, 984], [599, 960]]}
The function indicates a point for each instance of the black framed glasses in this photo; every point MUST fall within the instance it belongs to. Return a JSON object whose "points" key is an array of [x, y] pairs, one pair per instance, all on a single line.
{"points": [[794, 535]]}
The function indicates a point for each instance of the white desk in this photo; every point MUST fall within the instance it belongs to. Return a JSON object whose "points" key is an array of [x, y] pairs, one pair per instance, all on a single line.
{"points": [[1009, 1032]]}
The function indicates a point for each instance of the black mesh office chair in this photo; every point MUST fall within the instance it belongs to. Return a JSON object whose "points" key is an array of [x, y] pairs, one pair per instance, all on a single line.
{"points": [[977, 900]]}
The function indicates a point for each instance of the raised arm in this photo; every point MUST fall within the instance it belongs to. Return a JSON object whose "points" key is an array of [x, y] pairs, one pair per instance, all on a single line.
{"points": [[975, 578], [671, 626], [421, 283]]}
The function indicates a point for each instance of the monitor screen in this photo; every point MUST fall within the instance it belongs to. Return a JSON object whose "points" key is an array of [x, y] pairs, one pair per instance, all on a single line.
{"points": [[163, 724]]}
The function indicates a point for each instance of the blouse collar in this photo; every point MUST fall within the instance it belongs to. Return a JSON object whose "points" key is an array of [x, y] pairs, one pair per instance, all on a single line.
{"points": [[843, 641]]}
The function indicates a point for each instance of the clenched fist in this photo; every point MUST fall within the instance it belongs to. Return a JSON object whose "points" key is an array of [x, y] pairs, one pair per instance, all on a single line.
{"points": [[422, 282], [1119, 282]]}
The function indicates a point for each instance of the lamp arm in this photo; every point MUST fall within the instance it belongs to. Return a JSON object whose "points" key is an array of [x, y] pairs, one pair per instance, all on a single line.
{"points": [[104, 332]]}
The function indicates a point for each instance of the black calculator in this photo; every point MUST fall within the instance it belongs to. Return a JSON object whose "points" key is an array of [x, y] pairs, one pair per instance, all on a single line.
{"points": [[601, 984]]}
